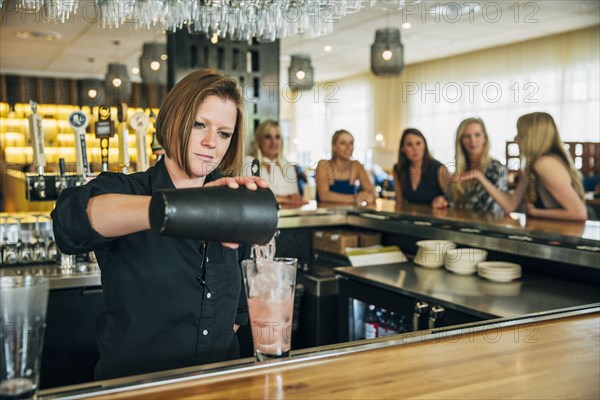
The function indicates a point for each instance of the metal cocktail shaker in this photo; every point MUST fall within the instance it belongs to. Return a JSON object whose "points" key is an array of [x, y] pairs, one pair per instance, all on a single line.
{"points": [[219, 214]]}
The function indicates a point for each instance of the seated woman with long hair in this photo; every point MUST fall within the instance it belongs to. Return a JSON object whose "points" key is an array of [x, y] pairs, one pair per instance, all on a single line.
{"points": [[472, 148], [419, 178], [337, 178], [285, 178], [551, 186]]}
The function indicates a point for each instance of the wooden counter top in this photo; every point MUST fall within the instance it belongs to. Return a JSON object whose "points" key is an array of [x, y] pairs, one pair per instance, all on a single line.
{"points": [[556, 358]]}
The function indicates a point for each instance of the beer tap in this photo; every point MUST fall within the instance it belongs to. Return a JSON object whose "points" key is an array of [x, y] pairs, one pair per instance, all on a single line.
{"points": [[123, 137], [420, 309], [61, 183], [157, 149], [105, 129], [435, 314], [140, 122], [37, 142], [78, 120]]}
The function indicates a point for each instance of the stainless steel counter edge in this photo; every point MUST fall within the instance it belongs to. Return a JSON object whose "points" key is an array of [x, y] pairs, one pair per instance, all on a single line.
{"points": [[509, 246], [381, 221], [245, 365]]}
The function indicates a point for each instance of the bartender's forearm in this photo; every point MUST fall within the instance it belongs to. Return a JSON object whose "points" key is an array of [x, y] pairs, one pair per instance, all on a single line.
{"points": [[113, 215]]}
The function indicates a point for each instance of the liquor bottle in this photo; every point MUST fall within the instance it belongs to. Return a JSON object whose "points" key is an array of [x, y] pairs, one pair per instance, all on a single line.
{"points": [[393, 324], [371, 323], [382, 322]]}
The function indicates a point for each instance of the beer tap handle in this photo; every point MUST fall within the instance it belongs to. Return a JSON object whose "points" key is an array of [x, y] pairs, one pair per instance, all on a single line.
{"points": [[140, 122], [123, 137], [79, 121], [37, 142], [105, 129]]}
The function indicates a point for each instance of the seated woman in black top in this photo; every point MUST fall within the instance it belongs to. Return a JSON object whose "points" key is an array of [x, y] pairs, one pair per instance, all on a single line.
{"points": [[168, 302], [419, 177]]}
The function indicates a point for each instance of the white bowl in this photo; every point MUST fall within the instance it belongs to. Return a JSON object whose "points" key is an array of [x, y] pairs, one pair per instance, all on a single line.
{"points": [[431, 253], [466, 256], [462, 270]]}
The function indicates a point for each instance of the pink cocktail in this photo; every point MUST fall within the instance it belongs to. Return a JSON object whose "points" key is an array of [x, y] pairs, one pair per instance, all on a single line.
{"points": [[270, 292]]}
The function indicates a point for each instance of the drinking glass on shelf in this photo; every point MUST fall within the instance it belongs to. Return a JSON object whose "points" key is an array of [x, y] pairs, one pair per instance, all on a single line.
{"points": [[270, 291], [23, 303]]}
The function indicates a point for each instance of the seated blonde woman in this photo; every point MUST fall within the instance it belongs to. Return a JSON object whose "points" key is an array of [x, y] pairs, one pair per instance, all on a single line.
{"points": [[551, 186], [284, 177], [337, 178], [472, 151]]}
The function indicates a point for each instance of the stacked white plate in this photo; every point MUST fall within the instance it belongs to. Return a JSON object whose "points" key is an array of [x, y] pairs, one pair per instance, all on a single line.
{"points": [[464, 261], [431, 253], [499, 271]]}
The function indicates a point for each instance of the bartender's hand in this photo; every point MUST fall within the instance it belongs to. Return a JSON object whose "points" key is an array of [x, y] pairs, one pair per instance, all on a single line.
{"points": [[234, 182], [250, 182]]}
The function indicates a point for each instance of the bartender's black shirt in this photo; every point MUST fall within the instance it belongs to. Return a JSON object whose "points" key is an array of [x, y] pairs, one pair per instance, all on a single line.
{"points": [[156, 313]]}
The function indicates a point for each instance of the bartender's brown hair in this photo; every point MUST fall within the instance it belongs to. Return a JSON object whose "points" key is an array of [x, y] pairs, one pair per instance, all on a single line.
{"points": [[178, 113], [538, 136]]}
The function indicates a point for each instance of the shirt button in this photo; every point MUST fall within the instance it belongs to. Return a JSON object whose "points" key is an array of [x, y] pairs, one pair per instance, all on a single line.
{"points": [[208, 295], [205, 332]]}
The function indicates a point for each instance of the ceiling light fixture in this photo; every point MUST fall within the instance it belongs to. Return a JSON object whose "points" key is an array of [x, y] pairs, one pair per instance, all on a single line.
{"points": [[116, 82], [153, 66], [91, 92], [265, 20], [327, 49], [387, 53], [301, 73]]}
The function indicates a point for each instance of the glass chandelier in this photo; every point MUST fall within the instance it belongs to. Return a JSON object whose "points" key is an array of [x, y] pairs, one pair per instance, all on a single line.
{"points": [[265, 20]]}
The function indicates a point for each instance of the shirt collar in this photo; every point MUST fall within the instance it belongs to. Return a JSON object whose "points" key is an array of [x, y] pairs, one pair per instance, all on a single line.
{"points": [[160, 178]]}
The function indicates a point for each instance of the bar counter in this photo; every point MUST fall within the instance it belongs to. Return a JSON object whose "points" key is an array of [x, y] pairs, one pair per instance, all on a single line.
{"points": [[544, 356]]}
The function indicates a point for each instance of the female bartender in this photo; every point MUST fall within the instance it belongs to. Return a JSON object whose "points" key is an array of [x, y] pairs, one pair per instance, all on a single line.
{"points": [[168, 302]]}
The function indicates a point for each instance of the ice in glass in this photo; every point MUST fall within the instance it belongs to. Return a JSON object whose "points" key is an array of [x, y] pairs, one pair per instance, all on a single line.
{"points": [[270, 292]]}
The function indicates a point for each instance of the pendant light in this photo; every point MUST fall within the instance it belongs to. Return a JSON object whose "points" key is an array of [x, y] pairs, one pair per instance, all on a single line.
{"points": [[91, 91], [387, 53], [116, 82], [301, 73], [153, 63]]}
